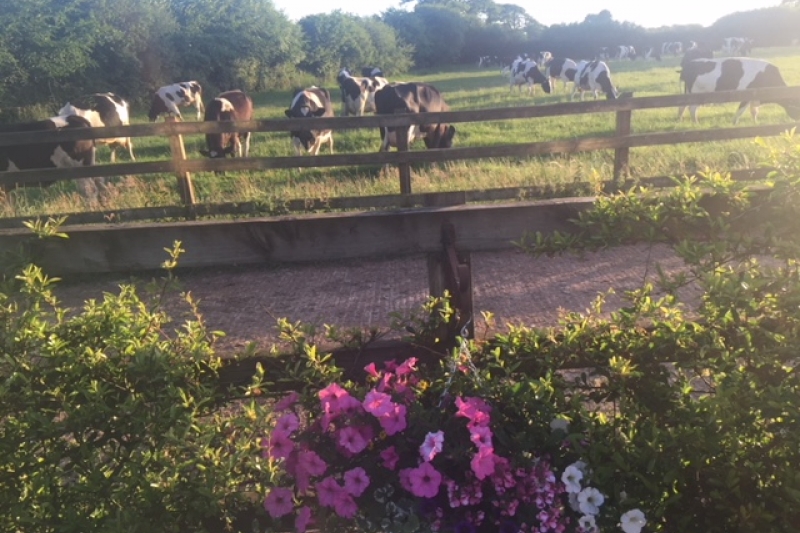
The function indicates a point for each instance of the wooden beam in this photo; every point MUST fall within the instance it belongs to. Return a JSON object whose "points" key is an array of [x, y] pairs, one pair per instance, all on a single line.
{"points": [[287, 239]]}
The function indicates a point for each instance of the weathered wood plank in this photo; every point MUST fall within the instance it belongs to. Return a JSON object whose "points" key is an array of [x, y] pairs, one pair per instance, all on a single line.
{"points": [[138, 247]]}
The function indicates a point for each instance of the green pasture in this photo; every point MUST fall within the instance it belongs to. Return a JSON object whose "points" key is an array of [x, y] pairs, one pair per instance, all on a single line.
{"points": [[463, 88]]}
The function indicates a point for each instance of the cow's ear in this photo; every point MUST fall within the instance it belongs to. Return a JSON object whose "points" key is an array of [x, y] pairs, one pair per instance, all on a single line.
{"points": [[288, 113], [319, 112]]}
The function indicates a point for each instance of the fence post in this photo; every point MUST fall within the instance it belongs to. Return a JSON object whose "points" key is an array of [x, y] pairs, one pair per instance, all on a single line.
{"points": [[404, 169], [185, 184], [621, 154]]}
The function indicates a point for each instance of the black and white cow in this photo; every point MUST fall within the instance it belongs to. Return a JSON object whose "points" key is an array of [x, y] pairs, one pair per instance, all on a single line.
{"points": [[314, 102], [526, 72], [625, 51], [672, 48], [593, 76], [52, 154], [651, 52], [371, 72], [543, 58], [561, 68], [102, 110], [734, 74], [358, 93], [414, 97], [230, 106], [169, 98], [737, 46], [698, 52]]}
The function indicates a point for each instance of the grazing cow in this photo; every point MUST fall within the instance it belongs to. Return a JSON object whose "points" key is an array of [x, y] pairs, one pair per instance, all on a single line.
{"points": [[313, 102], [371, 72], [51, 154], [527, 72], [414, 97], [358, 93], [651, 52], [671, 48], [169, 98], [543, 58], [230, 106], [625, 52], [736, 46], [561, 68], [101, 110], [734, 74], [593, 76]]}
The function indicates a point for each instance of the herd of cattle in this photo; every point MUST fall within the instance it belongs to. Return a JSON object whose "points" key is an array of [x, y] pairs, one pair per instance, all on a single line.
{"points": [[371, 92]]}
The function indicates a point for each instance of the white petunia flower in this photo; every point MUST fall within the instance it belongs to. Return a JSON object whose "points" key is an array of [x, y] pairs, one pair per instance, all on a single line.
{"points": [[571, 478], [587, 523], [633, 521], [590, 500], [573, 502], [559, 424]]}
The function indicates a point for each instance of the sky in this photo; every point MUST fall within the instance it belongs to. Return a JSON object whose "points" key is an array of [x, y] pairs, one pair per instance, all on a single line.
{"points": [[647, 14]]}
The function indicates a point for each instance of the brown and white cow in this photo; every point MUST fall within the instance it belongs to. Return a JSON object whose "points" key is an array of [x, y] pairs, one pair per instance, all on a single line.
{"points": [[51, 154], [314, 102], [593, 76], [230, 106], [734, 74], [103, 110], [414, 97], [168, 100]]}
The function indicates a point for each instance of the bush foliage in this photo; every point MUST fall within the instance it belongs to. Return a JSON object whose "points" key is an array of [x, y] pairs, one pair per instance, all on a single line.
{"points": [[112, 417]]}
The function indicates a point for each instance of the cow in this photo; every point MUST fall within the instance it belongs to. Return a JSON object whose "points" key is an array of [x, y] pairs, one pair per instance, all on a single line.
{"points": [[651, 52], [673, 48], [698, 52], [358, 93], [414, 97], [527, 72], [736, 46], [50, 154], [229, 106], [103, 110], [372, 72], [314, 102], [561, 68], [543, 58], [593, 76], [625, 51], [169, 98], [734, 74]]}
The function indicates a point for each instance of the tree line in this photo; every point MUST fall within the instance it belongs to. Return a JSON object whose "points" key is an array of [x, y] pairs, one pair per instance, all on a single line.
{"points": [[52, 50]]}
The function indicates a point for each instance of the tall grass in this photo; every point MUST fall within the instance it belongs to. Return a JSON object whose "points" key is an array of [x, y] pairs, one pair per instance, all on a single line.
{"points": [[463, 88]]}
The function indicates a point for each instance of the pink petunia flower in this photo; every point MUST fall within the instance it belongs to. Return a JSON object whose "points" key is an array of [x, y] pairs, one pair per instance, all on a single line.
{"points": [[311, 463], [351, 439], [287, 401], [390, 457], [472, 408], [287, 423], [349, 405], [407, 367], [278, 445], [395, 421], [302, 520], [327, 491], [404, 477], [356, 481], [483, 462], [345, 506], [279, 502], [481, 436], [425, 481], [330, 396], [371, 370], [432, 445], [378, 404]]}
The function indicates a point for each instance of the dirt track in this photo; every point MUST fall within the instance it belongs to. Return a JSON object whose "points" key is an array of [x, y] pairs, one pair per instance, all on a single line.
{"points": [[518, 289]]}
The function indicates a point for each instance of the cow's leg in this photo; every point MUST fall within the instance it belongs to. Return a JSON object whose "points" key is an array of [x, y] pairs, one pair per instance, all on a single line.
{"points": [[317, 144], [246, 144], [681, 111], [385, 141], [693, 111], [129, 144], [330, 141], [200, 108], [298, 146]]}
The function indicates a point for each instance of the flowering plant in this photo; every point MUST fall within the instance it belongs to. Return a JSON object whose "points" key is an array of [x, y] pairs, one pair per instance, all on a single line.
{"points": [[409, 454]]}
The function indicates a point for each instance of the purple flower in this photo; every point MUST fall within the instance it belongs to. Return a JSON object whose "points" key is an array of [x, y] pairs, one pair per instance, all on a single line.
{"points": [[327, 491], [390, 457], [278, 445], [483, 462], [279, 502], [425, 481], [351, 439], [287, 401], [302, 520], [378, 404], [311, 463], [345, 506], [432, 445], [287, 423], [394, 421], [356, 481]]}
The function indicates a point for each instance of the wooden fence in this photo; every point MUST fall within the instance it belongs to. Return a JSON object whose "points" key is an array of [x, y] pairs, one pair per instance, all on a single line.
{"points": [[446, 223]]}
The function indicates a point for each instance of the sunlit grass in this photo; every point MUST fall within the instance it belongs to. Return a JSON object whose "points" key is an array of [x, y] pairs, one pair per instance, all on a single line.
{"points": [[466, 88]]}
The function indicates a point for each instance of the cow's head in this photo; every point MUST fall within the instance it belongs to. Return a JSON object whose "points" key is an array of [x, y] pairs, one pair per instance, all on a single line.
{"points": [[440, 136]]}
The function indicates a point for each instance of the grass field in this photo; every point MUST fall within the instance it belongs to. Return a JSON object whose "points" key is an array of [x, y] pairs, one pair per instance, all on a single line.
{"points": [[464, 88]]}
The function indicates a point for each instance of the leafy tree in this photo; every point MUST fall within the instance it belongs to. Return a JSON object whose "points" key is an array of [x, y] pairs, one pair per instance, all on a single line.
{"points": [[334, 41], [388, 51]]}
